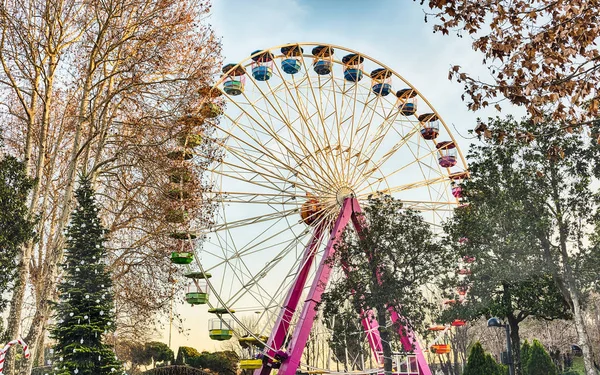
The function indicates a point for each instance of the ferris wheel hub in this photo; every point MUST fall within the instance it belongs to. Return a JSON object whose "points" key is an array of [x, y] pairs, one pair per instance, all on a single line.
{"points": [[343, 193]]}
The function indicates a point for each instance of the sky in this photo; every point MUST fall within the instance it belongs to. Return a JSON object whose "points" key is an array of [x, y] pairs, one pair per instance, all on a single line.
{"points": [[390, 31]]}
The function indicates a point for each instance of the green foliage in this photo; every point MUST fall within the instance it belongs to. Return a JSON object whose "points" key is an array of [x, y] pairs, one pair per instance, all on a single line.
{"points": [[41, 370], [515, 190], [223, 363], [344, 340], [16, 228], [539, 362], [510, 277], [482, 363], [158, 352], [85, 311], [185, 352], [136, 354], [525, 354], [403, 254]]}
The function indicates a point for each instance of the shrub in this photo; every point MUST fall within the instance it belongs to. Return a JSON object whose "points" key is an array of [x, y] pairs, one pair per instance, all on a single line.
{"points": [[184, 354], [539, 362], [481, 363]]}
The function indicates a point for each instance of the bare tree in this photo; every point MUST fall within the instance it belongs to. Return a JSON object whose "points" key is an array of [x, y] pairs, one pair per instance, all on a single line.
{"points": [[97, 87], [541, 54]]}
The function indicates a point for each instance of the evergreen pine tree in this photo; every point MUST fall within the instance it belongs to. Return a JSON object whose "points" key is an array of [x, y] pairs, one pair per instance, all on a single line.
{"points": [[481, 363], [539, 362], [85, 312], [16, 228]]}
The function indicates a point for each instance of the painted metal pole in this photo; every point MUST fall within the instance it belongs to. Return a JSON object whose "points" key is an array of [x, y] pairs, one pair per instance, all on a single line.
{"points": [[350, 211], [369, 323], [410, 344], [511, 365], [305, 322], [282, 325]]}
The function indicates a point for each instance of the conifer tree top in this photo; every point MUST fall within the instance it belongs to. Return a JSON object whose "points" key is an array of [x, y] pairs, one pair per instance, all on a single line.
{"points": [[85, 312]]}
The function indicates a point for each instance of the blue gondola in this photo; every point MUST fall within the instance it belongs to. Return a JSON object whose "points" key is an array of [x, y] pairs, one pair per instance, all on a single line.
{"points": [[353, 67], [262, 68], [322, 64], [408, 109], [382, 89], [262, 73], [291, 66], [381, 81], [322, 67], [407, 101], [353, 75]]}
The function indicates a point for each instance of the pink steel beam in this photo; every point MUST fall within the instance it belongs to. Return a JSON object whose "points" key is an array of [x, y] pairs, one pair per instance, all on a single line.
{"points": [[410, 343], [307, 317], [289, 365], [369, 323], [282, 324], [408, 340]]}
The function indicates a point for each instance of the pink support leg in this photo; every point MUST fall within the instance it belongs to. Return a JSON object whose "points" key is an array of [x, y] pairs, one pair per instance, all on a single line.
{"points": [[282, 324], [350, 210], [307, 317], [410, 344]]}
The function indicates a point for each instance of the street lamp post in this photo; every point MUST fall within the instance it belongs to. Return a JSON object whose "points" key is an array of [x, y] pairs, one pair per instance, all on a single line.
{"points": [[495, 322]]}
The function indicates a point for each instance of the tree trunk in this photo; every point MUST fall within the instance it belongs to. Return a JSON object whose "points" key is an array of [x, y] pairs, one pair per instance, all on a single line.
{"points": [[385, 340], [515, 338], [573, 291], [16, 304]]}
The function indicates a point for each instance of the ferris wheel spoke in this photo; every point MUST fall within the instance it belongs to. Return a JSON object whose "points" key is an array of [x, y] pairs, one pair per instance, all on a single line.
{"points": [[301, 139], [417, 160], [268, 177], [387, 155], [267, 162], [430, 205], [375, 144], [253, 279], [367, 141], [322, 120], [238, 272], [270, 132], [255, 198], [249, 174], [283, 119], [254, 220], [405, 187]]}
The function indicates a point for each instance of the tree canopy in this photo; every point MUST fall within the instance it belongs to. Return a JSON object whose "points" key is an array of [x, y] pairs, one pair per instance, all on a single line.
{"points": [[534, 207], [538, 361], [541, 54], [403, 255], [499, 233], [85, 311], [481, 363]]}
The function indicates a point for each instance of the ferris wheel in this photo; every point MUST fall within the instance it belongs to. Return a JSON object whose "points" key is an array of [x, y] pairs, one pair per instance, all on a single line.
{"points": [[309, 131]]}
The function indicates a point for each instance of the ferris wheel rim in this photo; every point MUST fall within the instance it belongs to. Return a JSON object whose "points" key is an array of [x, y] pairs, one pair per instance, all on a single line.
{"points": [[334, 46]]}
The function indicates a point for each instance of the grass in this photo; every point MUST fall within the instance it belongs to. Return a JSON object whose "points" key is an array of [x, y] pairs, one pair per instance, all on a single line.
{"points": [[578, 366]]}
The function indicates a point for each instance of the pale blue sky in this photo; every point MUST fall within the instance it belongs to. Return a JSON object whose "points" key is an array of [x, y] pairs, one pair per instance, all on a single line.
{"points": [[391, 31]]}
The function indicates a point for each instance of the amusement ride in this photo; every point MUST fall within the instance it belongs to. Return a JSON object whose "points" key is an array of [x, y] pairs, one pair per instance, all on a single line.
{"points": [[308, 132]]}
